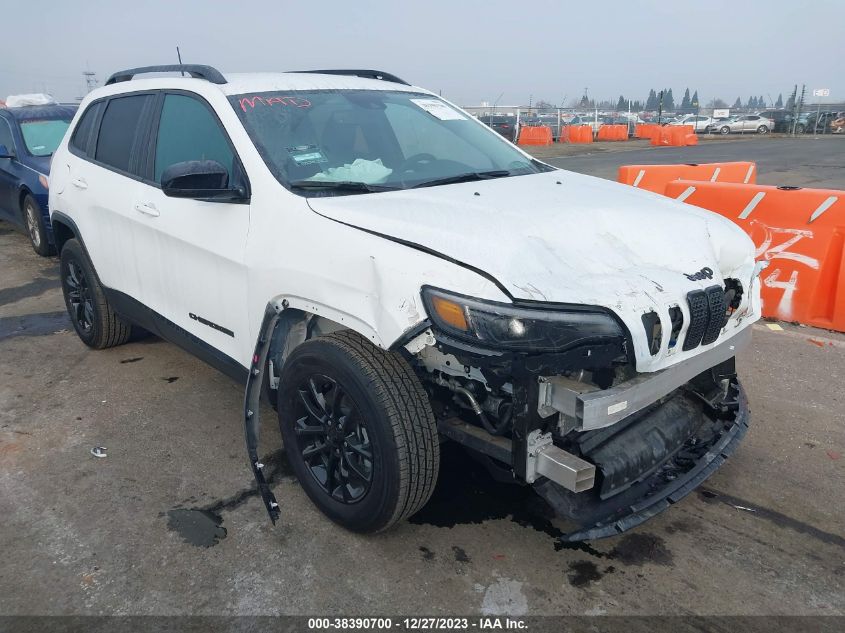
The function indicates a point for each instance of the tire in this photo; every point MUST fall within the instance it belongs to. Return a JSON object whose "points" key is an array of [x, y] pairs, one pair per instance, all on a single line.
{"points": [[762, 130], [381, 432], [33, 220], [725, 130], [93, 318]]}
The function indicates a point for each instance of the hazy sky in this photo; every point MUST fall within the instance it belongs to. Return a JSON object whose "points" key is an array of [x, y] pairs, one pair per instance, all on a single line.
{"points": [[471, 51]]}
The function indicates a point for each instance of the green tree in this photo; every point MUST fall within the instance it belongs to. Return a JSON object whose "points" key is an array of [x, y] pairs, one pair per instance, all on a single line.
{"points": [[651, 103], [668, 101], [694, 102], [737, 104], [622, 104], [686, 105], [779, 102]]}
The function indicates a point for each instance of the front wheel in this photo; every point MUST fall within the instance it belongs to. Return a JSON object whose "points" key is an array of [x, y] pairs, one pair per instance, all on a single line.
{"points": [[725, 130], [358, 430], [93, 318], [762, 130], [35, 228]]}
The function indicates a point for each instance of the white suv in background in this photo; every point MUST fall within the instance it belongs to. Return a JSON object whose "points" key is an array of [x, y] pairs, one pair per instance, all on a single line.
{"points": [[392, 274]]}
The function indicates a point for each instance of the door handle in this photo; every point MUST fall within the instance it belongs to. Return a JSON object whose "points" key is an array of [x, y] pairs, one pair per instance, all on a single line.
{"points": [[147, 209], [79, 183]]}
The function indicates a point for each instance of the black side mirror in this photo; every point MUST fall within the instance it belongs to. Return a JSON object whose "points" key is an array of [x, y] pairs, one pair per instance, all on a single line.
{"points": [[201, 180], [5, 152]]}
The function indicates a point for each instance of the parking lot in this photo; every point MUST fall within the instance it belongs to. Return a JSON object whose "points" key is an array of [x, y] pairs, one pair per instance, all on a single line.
{"points": [[170, 523]]}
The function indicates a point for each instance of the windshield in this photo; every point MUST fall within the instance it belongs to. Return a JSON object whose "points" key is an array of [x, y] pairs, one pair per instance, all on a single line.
{"points": [[43, 136], [333, 142]]}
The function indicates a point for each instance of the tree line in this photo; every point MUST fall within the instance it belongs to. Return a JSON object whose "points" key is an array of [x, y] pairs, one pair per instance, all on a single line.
{"points": [[689, 103]]}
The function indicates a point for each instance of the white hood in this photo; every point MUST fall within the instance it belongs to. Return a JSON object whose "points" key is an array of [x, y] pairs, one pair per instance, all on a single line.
{"points": [[564, 237]]}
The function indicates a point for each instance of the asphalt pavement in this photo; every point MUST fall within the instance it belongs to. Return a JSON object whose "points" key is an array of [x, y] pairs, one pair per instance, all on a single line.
{"points": [[168, 522]]}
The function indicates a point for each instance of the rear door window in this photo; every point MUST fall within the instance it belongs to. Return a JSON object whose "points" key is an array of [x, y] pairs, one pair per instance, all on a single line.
{"points": [[189, 131], [120, 131]]}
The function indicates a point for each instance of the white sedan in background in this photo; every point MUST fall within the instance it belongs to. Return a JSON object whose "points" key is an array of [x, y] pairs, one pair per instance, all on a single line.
{"points": [[745, 124], [699, 123]]}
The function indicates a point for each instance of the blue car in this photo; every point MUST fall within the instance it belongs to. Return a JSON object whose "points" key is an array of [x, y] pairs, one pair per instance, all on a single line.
{"points": [[28, 137]]}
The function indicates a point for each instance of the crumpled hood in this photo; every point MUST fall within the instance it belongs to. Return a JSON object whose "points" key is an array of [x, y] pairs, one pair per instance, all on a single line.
{"points": [[562, 237]]}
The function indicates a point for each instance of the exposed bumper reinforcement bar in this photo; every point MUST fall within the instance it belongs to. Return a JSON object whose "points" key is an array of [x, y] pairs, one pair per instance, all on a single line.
{"points": [[594, 408]]}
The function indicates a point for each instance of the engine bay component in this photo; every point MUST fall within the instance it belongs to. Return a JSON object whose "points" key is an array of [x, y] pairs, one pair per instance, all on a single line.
{"points": [[596, 408]]}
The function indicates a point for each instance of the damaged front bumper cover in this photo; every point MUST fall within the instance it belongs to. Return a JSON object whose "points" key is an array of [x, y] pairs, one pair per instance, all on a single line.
{"points": [[655, 494]]}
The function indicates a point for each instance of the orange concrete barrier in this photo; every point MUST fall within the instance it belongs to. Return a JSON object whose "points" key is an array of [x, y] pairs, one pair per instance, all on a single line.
{"points": [[655, 177], [647, 130], [580, 134], [535, 135], [800, 232], [612, 133], [674, 135]]}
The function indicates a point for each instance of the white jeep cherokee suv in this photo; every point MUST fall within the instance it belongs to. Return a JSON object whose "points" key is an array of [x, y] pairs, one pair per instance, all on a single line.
{"points": [[392, 275]]}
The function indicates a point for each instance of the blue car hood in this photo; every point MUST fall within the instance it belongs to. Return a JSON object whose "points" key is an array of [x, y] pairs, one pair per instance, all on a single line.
{"points": [[38, 163]]}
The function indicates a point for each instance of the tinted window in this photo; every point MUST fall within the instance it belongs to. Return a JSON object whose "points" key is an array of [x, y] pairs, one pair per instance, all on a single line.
{"points": [[6, 136], [119, 130], [82, 134], [189, 131]]}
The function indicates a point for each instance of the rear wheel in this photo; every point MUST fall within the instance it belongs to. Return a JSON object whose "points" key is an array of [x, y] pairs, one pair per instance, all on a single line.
{"points": [[34, 220], [725, 130], [358, 430], [763, 129], [93, 318]]}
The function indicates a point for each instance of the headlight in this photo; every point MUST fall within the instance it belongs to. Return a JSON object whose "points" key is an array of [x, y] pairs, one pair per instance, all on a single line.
{"points": [[505, 326]]}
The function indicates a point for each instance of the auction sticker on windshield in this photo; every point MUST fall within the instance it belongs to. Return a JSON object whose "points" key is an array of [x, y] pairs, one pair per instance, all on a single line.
{"points": [[439, 109]]}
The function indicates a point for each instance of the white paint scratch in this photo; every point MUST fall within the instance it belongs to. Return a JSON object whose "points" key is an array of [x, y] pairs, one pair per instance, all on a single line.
{"points": [[780, 251], [824, 206], [686, 193], [752, 205], [639, 177], [748, 174], [784, 309]]}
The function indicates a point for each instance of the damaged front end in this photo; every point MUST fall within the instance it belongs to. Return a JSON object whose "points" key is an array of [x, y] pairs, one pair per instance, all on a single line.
{"points": [[549, 395]]}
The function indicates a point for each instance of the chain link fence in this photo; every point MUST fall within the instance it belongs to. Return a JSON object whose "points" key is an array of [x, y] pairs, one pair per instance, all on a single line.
{"points": [[804, 118]]}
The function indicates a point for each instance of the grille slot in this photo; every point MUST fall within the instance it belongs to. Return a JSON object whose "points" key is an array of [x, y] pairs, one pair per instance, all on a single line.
{"points": [[708, 315], [698, 319], [718, 314]]}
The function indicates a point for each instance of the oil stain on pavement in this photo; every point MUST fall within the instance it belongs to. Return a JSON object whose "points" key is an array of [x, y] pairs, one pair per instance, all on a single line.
{"points": [[200, 528], [203, 527]]}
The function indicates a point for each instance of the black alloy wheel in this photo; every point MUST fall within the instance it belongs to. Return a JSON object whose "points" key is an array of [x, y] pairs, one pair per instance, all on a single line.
{"points": [[92, 316], [358, 430], [79, 299], [333, 439]]}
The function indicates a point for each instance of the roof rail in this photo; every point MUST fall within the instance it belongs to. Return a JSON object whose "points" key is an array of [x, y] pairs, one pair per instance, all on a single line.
{"points": [[209, 73], [366, 74]]}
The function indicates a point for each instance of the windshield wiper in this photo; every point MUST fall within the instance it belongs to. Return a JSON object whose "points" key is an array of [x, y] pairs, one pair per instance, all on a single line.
{"points": [[343, 185], [468, 177]]}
